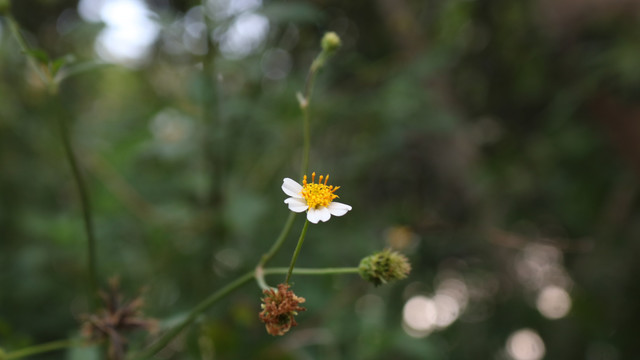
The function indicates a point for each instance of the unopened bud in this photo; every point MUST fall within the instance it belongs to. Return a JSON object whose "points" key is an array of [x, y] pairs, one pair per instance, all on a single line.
{"points": [[384, 266], [330, 42]]}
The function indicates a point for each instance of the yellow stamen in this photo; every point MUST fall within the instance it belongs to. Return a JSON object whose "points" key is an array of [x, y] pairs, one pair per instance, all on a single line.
{"points": [[318, 194]]}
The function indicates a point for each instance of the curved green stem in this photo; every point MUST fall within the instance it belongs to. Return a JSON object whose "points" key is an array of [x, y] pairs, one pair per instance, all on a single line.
{"points": [[259, 275], [297, 251], [69, 153], [274, 249], [85, 203], [193, 315], [42, 348], [279, 241]]}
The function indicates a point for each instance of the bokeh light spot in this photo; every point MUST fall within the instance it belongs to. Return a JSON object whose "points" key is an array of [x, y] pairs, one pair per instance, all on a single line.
{"points": [[420, 315], [245, 35], [525, 344], [553, 302], [129, 33]]}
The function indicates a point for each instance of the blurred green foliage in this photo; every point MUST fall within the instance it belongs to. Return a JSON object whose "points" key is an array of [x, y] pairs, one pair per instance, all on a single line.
{"points": [[463, 133]]}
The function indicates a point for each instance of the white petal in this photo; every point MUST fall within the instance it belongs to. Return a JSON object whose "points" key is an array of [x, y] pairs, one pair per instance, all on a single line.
{"points": [[296, 205], [313, 215], [291, 188], [338, 209], [325, 215]]}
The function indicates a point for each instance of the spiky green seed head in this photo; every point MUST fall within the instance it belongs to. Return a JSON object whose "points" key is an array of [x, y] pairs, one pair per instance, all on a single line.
{"points": [[384, 266]]}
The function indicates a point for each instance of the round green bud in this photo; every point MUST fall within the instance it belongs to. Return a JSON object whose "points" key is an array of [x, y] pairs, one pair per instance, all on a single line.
{"points": [[384, 266], [330, 42]]}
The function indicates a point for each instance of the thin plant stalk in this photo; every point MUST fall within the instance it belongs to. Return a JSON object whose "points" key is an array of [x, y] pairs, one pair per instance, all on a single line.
{"points": [[297, 251], [312, 271], [86, 206], [305, 102], [307, 141], [278, 243], [193, 315], [306, 135], [70, 155], [42, 348]]}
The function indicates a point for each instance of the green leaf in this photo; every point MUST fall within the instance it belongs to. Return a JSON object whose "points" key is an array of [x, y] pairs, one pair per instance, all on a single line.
{"points": [[80, 68], [58, 63], [39, 55]]}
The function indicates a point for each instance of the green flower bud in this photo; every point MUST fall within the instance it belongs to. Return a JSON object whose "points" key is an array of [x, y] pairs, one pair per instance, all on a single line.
{"points": [[384, 266], [330, 42]]}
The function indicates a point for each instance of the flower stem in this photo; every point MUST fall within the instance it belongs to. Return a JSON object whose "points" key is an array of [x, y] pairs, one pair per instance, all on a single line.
{"points": [[312, 271], [317, 63], [69, 153], [304, 106], [193, 315], [297, 251], [42, 348], [276, 245], [259, 275], [86, 206], [307, 141]]}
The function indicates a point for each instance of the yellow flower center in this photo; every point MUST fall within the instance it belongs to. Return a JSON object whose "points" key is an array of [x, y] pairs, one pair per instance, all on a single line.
{"points": [[318, 194]]}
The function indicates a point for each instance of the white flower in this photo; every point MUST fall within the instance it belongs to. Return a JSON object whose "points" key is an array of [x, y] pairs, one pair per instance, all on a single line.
{"points": [[314, 198]]}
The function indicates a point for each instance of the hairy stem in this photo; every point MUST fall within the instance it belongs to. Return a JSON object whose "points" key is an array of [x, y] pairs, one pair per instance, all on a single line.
{"points": [[297, 251]]}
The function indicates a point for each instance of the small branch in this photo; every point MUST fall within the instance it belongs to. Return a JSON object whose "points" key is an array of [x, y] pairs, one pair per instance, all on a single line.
{"points": [[86, 206], [43, 348], [312, 271], [305, 103], [259, 275], [71, 158], [278, 243], [297, 251], [307, 140], [193, 315]]}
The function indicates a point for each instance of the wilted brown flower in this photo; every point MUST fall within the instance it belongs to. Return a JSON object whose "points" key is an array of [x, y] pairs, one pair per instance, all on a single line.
{"points": [[279, 309], [117, 316]]}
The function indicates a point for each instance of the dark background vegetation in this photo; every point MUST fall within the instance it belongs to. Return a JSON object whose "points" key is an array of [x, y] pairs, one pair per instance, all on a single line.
{"points": [[471, 129]]}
